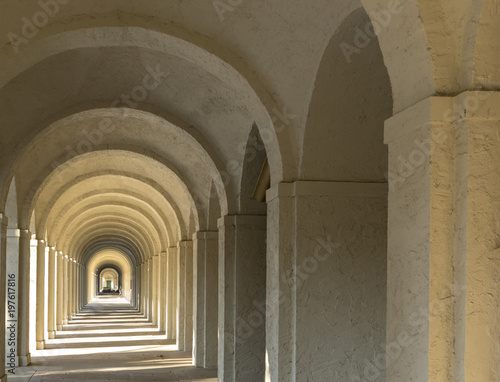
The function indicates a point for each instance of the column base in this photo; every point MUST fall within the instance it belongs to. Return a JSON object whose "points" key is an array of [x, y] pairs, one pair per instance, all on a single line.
{"points": [[65, 322], [59, 328], [25, 360], [40, 345], [52, 334]]}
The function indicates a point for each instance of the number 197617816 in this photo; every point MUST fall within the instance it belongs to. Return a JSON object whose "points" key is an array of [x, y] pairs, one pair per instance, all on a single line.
{"points": [[11, 295]]}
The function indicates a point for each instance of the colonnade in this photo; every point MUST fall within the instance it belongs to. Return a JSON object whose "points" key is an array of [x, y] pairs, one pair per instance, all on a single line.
{"points": [[400, 276]]}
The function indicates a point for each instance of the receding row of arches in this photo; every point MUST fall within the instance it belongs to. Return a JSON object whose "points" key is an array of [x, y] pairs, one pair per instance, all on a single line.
{"points": [[270, 245]]}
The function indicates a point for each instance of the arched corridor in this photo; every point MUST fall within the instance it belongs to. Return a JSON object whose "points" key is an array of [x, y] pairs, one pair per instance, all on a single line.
{"points": [[250, 191]]}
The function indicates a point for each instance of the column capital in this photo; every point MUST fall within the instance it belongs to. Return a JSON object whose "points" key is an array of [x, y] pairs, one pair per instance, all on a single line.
{"points": [[430, 111], [184, 243], [440, 111], [234, 220], [304, 188], [205, 235], [13, 232]]}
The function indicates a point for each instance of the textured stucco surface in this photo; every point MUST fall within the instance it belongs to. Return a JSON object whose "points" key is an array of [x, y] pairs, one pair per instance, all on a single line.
{"points": [[132, 127]]}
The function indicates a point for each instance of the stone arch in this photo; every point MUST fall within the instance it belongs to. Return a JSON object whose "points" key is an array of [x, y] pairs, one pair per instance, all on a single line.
{"points": [[254, 164], [344, 151], [409, 64], [111, 273], [12, 208], [112, 258], [81, 39]]}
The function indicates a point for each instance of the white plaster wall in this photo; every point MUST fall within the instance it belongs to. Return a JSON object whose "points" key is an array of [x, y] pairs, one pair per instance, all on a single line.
{"points": [[340, 282]]}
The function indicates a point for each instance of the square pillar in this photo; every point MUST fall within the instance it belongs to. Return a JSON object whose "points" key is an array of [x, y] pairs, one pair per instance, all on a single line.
{"points": [[443, 285], [163, 292], [150, 289], [66, 290], [477, 263], [172, 253], [51, 322], [156, 287], [13, 288], [144, 290], [24, 299], [281, 298], [421, 242], [198, 299], [205, 298], [188, 285], [60, 292], [40, 295], [211, 296], [326, 280], [185, 295], [242, 266], [73, 281]]}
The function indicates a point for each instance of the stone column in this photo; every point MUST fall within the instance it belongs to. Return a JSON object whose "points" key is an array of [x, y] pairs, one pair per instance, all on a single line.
{"points": [[443, 284], [326, 275], [146, 288], [70, 288], [83, 287], [205, 282], [78, 269], [185, 295], [51, 322], [3, 291], [76, 275], [60, 292], [181, 294], [422, 167], [477, 267], [156, 287], [242, 273], [13, 289], [211, 294], [24, 299], [66, 290], [40, 295], [150, 289], [163, 292], [172, 293], [33, 255], [199, 347], [141, 289], [73, 288]]}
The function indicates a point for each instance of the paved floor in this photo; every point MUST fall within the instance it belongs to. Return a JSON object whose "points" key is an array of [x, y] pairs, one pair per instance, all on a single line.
{"points": [[108, 341]]}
